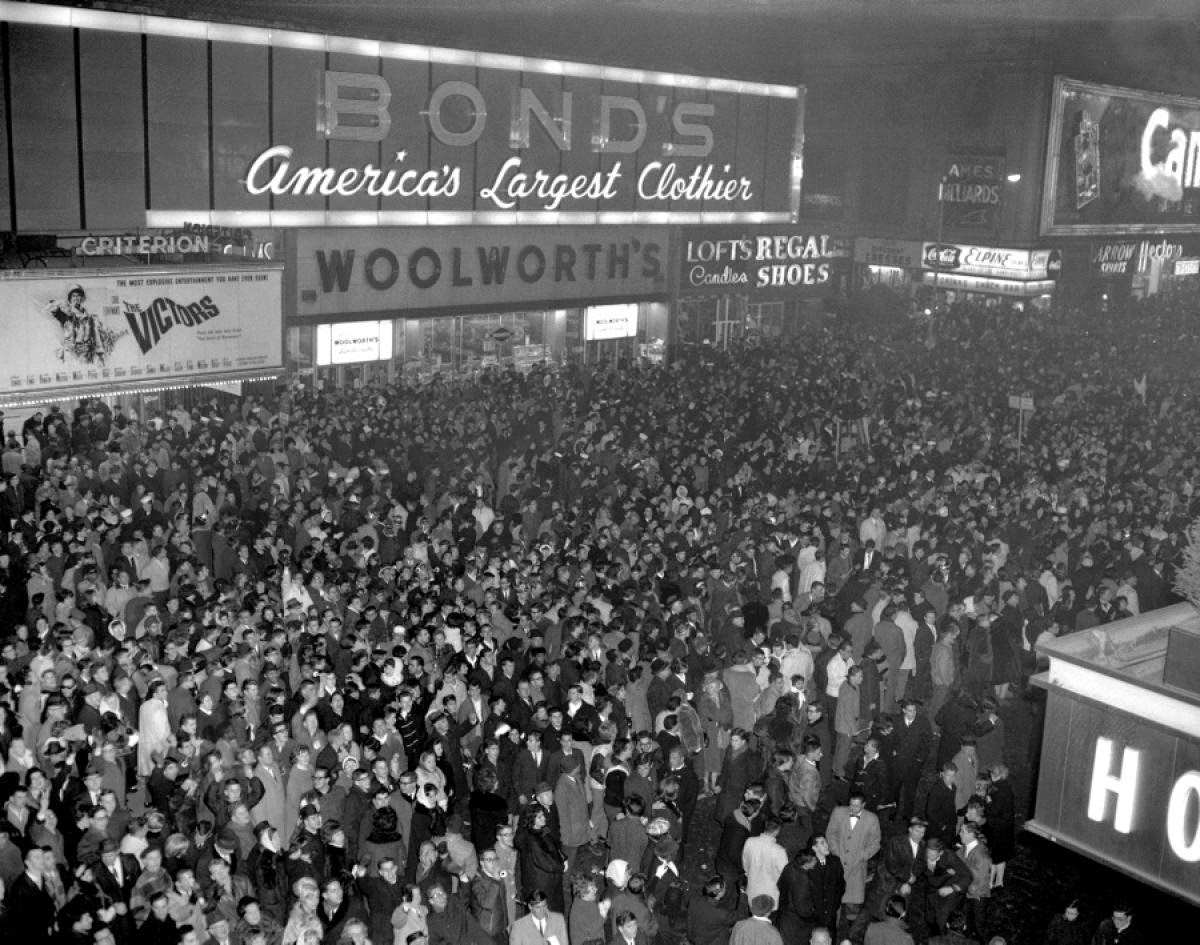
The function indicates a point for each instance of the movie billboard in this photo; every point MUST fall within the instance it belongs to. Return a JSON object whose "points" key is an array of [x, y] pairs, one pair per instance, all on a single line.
{"points": [[120, 329], [1121, 161]]}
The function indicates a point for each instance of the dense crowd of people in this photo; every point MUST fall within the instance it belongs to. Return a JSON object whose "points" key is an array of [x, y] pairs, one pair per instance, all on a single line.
{"points": [[479, 661]]}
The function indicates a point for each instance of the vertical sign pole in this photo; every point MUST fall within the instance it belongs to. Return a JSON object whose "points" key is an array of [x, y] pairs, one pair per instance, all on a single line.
{"points": [[1020, 430]]}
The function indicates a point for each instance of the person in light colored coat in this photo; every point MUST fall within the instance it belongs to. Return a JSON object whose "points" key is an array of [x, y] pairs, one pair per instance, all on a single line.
{"points": [[854, 837], [967, 762], [742, 683], [154, 728], [975, 854], [540, 926], [571, 800], [273, 805]]}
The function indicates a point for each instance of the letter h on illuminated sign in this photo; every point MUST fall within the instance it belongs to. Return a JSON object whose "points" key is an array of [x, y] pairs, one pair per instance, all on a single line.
{"points": [[1123, 785]]}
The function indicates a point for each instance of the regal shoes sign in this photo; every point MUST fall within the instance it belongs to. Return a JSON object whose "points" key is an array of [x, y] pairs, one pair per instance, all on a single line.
{"points": [[765, 261]]}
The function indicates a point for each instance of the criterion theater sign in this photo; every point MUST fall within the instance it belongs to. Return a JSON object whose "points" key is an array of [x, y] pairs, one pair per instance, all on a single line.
{"points": [[761, 261], [345, 271], [1121, 161], [219, 125], [144, 244]]}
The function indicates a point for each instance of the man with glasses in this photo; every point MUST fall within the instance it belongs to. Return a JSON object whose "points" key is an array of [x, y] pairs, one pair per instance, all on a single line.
{"points": [[357, 807], [1118, 928], [488, 897], [450, 923]]}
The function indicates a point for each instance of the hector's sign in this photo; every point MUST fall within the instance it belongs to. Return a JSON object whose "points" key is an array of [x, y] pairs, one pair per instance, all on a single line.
{"points": [[1127, 257], [772, 261]]}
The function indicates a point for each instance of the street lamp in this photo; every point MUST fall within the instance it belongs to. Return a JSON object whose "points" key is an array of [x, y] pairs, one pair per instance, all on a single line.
{"points": [[937, 256]]}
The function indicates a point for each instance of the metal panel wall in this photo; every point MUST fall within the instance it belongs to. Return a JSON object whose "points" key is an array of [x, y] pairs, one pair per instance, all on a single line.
{"points": [[43, 122], [177, 73], [114, 135], [240, 122]]}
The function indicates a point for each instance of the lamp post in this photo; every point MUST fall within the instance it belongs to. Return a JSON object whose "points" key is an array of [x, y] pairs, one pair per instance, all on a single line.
{"points": [[937, 256]]}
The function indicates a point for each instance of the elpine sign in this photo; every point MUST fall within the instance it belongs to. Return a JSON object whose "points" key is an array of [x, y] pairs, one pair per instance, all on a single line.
{"points": [[1122, 790], [994, 261], [236, 126], [1121, 161], [761, 261], [345, 271]]}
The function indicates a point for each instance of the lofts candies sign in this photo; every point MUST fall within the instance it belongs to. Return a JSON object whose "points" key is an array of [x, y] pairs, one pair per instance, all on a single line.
{"points": [[771, 261]]}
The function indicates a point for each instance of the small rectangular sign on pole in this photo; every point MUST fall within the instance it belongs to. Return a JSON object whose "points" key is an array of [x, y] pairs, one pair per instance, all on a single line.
{"points": [[1023, 404]]}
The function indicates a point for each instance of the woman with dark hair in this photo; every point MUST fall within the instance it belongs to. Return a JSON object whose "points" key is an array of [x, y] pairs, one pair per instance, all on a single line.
{"points": [[488, 810], [540, 858], [1002, 816], [383, 841], [337, 859]]}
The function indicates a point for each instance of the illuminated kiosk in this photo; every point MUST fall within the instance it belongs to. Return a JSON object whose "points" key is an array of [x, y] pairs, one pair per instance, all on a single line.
{"points": [[1120, 764]]}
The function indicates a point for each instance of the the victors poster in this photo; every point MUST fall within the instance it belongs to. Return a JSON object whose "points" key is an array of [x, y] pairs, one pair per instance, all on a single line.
{"points": [[114, 329]]}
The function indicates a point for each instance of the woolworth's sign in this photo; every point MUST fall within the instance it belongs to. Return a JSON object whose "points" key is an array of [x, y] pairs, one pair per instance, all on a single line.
{"points": [[345, 271]]}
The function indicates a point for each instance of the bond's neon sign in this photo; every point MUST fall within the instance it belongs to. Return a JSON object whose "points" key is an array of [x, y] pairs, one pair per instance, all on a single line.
{"points": [[357, 107]]}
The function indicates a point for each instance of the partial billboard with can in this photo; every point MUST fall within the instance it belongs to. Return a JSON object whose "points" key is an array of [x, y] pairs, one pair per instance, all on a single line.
{"points": [[1121, 161]]}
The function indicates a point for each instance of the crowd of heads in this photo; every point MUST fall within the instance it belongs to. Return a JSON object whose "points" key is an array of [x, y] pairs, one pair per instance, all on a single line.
{"points": [[313, 637]]}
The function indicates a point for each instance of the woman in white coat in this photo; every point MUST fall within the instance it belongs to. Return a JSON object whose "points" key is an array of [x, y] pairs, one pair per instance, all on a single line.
{"points": [[154, 728]]}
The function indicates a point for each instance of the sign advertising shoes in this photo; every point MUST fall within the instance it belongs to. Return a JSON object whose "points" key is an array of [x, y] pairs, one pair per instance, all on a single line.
{"points": [[764, 261]]}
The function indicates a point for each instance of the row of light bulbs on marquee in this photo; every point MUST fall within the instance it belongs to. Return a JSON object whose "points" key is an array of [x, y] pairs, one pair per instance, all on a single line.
{"points": [[156, 389]]}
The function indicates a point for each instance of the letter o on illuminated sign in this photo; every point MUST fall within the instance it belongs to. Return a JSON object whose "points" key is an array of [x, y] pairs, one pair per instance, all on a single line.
{"points": [[457, 139], [385, 279], [1183, 795]]}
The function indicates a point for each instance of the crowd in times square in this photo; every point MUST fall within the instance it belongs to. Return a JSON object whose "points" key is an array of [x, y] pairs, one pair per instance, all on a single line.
{"points": [[718, 651]]}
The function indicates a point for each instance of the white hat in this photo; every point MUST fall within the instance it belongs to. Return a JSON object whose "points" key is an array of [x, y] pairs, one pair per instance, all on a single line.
{"points": [[617, 872]]}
